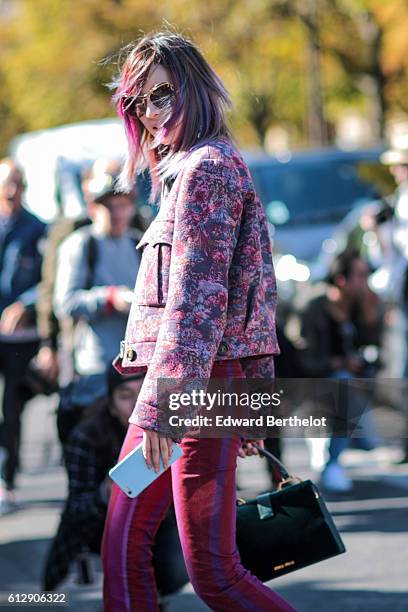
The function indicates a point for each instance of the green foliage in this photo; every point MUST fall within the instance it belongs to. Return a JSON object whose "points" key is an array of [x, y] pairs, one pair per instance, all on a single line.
{"points": [[51, 52]]}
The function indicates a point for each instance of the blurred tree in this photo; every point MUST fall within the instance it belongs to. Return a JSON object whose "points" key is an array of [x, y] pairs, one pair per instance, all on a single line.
{"points": [[260, 61], [51, 54], [368, 43], [308, 12], [368, 39], [51, 70], [296, 63], [358, 46]]}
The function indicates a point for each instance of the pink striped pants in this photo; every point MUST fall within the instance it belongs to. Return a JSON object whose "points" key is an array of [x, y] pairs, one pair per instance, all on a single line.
{"points": [[202, 485]]}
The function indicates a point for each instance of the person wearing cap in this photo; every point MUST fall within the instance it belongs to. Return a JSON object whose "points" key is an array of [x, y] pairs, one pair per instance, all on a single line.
{"points": [[397, 161], [95, 273]]}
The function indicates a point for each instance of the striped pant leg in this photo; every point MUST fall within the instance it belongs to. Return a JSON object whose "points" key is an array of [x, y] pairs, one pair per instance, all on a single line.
{"points": [[205, 502], [131, 525]]}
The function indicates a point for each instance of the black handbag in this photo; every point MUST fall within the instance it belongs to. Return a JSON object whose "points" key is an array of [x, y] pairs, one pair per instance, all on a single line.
{"points": [[284, 530]]}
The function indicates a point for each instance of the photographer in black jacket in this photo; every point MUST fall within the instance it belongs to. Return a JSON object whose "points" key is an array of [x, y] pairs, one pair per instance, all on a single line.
{"points": [[91, 450]]}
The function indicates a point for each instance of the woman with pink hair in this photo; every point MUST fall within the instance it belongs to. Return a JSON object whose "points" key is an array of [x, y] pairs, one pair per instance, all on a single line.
{"points": [[203, 307]]}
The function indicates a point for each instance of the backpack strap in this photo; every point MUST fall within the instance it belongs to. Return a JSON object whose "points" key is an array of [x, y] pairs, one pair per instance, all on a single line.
{"points": [[92, 256]]}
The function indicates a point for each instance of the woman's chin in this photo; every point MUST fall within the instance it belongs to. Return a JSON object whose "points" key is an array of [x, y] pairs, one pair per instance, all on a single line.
{"points": [[164, 140]]}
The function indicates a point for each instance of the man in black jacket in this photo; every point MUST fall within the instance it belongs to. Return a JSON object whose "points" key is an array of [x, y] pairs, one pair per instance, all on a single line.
{"points": [[21, 234]]}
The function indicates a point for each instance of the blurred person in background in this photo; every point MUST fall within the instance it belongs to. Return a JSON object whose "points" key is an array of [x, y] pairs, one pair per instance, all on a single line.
{"points": [[91, 450], [394, 216], [21, 237], [54, 358], [95, 273], [55, 355], [337, 326], [288, 364]]}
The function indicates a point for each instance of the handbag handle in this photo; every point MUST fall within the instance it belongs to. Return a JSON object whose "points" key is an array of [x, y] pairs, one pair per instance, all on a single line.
{"points": [[278, 469]]}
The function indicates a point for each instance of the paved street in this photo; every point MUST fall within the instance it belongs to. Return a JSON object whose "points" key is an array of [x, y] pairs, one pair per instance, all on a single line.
{"points": [[372, 575]]}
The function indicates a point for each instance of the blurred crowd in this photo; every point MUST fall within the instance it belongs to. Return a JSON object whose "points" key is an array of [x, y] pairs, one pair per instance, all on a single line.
{"points": [[65, 295]]}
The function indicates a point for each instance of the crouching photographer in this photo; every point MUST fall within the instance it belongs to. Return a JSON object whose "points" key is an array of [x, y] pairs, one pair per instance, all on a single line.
{"points": [[92, 448]]}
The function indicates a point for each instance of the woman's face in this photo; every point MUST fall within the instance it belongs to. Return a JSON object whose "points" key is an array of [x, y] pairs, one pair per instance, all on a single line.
{"points": [[154, 116]]}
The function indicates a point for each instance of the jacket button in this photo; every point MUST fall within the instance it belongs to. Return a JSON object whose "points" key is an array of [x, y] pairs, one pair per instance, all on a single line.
{"points": [[131, 354], [223, 348]]}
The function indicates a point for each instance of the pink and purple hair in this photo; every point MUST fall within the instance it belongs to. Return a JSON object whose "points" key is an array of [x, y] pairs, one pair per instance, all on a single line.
{"points": [[200, 103]]}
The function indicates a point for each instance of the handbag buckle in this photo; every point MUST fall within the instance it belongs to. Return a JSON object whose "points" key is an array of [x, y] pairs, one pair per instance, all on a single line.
{"points": [[263, 503], [287, 482]]}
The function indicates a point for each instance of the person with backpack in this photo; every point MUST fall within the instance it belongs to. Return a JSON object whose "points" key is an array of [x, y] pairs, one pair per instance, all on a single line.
{"points": [[397, 161], [337, 327], [96, 268]]}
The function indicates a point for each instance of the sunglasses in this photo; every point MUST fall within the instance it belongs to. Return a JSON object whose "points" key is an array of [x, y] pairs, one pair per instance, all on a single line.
{"points": [[161, 95]]}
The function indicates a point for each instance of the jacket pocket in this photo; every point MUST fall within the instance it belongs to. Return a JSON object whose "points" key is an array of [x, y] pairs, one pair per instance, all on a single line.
{"points": [[152, 283]]}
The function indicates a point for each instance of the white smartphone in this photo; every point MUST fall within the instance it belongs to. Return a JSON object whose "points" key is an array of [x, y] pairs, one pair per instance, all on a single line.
{"points": [[132, 475]]}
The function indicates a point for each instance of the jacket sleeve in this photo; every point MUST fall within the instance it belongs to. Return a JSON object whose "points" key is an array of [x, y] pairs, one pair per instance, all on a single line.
{"points": [[71, 298], [207, 218]]}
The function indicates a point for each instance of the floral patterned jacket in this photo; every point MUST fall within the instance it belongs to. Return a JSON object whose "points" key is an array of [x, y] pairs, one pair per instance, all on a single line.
{"points": [[206, 288]]}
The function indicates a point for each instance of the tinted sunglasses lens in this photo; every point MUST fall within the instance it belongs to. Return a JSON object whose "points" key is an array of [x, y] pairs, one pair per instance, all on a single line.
{"points": [[162, 96]]}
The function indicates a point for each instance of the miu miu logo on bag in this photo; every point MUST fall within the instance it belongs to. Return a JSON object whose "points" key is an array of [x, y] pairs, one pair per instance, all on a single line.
{"points": [[283, 565]]}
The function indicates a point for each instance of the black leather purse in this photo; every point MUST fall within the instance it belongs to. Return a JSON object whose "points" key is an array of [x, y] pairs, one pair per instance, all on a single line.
{"points": [[284, 530]]}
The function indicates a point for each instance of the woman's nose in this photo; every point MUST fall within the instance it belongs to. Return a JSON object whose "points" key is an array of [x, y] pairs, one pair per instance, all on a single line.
{"points": [[151, 110]]}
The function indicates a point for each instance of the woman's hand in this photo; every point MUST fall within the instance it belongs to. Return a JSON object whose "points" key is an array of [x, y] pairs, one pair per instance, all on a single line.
{"points": [[154, 447], [247, 448]]}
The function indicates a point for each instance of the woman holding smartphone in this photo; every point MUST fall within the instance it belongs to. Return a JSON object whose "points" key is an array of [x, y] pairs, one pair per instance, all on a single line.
{"points": [[203, 307]]}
